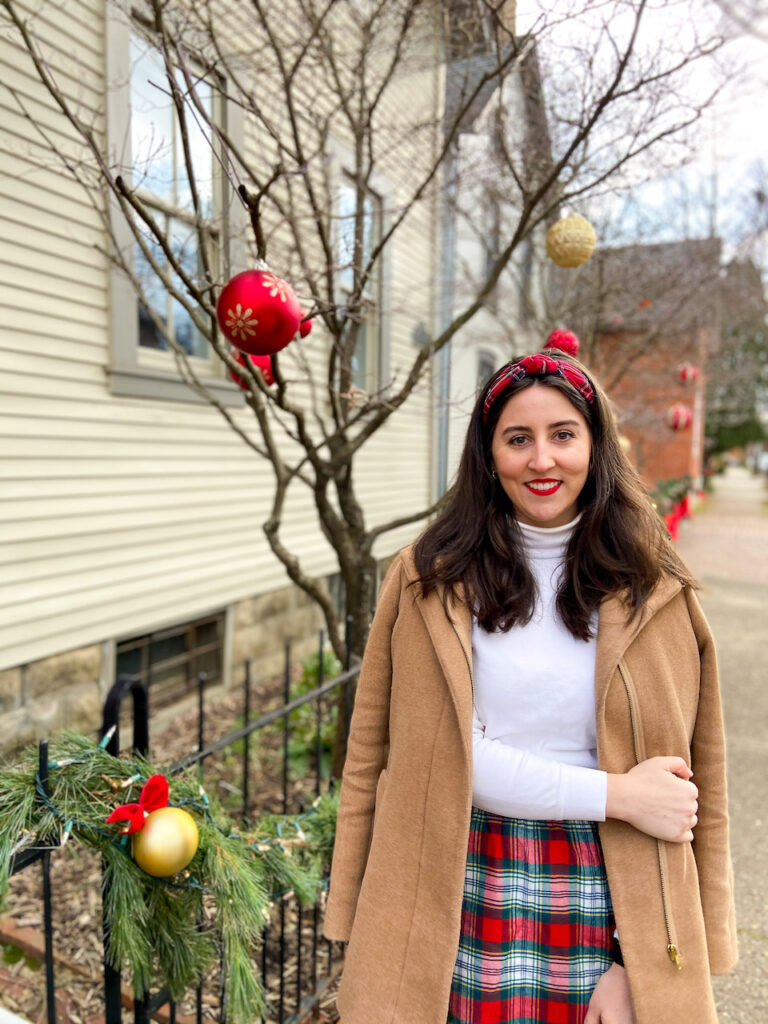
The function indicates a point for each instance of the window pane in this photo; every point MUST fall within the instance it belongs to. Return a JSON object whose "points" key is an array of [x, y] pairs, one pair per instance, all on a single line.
{"points": [[486, 364], [151, 122], [153, 293], [200, 150], [185, 244], [346, 236]]}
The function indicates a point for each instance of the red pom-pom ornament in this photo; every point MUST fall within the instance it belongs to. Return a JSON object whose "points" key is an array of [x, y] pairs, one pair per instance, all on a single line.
{"points": [[688, 373], [566, 341], [258, 312], [259, 364], [679, 417]]}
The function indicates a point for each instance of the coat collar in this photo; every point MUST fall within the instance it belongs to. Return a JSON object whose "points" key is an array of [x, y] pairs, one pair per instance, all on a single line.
{"points": [[451, 637]]}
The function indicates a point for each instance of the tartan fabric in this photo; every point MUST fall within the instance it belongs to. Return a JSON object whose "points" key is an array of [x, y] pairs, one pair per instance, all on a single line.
{"points": [[537, 365], [536, 922]]}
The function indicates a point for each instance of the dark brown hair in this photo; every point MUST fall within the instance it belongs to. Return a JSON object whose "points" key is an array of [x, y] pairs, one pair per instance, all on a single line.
{"points": [[618, 546]]}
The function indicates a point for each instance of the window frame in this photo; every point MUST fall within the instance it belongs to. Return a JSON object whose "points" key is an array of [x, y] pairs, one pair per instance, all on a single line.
{"points": [[135, 370]]}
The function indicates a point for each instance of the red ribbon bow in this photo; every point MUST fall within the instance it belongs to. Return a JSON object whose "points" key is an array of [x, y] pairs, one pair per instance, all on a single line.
{"points": [[153, 796]]}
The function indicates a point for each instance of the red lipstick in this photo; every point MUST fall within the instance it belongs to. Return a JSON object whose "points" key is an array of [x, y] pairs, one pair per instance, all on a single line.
{"points": [[543, 487]]}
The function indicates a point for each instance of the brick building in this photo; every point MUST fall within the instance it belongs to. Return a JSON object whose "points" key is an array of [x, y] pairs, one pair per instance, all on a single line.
{"points": [[643, 312]]}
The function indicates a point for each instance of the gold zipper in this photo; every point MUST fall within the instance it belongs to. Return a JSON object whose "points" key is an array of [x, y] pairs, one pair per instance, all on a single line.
{"points": [[673, 951]]}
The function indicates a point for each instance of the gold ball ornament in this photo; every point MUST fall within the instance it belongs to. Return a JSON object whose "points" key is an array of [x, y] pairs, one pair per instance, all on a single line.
{"points": [[167, 842], [571, 241]]}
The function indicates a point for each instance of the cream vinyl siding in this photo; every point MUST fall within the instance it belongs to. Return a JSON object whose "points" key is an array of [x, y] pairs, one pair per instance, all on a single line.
{"points": [[120, 515]]}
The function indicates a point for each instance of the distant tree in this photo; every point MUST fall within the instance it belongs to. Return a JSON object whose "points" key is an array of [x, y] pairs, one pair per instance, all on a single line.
{"points": [[737, 376]]}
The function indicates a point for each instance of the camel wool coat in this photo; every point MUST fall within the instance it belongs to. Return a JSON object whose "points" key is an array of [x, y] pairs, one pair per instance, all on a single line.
{"points": [[397, 875]]}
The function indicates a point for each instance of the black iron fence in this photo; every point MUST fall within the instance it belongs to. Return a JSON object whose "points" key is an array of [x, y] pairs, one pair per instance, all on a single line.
{"points": [[297, 962]]}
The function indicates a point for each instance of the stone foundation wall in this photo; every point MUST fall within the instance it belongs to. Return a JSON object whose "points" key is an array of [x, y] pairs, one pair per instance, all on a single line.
{"points": [[263, 624], [65, 691]]}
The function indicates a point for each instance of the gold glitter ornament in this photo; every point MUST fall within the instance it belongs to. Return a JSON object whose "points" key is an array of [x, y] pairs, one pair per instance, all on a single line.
{"points": [[571, 241], [167, 842]]}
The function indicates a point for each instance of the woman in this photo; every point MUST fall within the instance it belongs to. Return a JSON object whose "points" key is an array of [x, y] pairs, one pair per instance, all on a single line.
{"points": [[538, 669]]}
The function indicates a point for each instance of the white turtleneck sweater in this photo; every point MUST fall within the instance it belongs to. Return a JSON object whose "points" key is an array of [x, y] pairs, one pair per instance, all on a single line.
{"points": [[534, 741]]}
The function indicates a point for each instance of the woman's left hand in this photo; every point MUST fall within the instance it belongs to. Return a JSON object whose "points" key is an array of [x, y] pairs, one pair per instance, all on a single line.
{"points": [[611, 1002]]}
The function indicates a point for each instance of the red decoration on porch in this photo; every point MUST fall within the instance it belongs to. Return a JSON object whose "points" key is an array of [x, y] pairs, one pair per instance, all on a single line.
{"points": [[258, 312], [566, 341], [263, 364], [688, 373], [672, 522], [679, 417]]}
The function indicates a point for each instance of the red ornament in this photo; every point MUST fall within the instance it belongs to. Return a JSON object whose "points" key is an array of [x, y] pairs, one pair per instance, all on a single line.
{"points": [[566, 341], [679, 417], [260, 364], [258, 312], [305, 327], [688, 373], [645, 303]]}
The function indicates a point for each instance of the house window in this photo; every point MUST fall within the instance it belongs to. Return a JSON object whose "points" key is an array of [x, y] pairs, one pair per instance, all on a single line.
{"points": [[169, 660], [161, 176], [486, 365], [526, 280], [492, 246], [146, 146], [366, 359], [469, 28]]}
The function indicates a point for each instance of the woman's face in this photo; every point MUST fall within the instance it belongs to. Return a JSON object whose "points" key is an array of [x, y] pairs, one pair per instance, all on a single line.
{"points": [[540, 451]]}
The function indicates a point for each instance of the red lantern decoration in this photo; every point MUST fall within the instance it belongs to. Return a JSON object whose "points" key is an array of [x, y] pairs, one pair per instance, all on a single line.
{"points": [[679, 417], [258, 364], [566, 341], [258, 312], [688, 373]]}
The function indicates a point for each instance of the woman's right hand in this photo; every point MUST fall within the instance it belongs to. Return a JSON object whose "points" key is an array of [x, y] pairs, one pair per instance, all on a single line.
{"points": [[656, 797]]}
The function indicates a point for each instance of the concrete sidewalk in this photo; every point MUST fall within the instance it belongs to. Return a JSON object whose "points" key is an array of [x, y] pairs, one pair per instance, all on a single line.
{"points": [[726, 547]]}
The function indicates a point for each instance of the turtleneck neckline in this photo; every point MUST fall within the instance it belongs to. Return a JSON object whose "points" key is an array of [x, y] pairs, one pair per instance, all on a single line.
{"points": [[547, 541]]}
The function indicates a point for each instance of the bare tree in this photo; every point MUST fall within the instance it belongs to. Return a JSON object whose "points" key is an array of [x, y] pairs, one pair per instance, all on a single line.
{"points": [[614, 96]]}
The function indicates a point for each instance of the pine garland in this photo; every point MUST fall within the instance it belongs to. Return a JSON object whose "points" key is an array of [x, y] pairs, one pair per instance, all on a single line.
{"points": [[169, 932]]}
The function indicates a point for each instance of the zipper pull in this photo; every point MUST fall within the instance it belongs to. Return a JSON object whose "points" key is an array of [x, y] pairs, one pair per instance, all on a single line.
{"points": [[674, 955]]}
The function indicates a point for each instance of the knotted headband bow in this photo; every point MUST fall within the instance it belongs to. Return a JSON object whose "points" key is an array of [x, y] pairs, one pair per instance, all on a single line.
{"points": [[153, 796], [536, 366]]}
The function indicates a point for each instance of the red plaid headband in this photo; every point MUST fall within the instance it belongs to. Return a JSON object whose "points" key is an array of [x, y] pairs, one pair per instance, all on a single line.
{"points": [[536, 366]]}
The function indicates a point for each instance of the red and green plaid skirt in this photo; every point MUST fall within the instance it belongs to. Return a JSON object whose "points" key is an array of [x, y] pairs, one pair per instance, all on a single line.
{"points": [[536, 922]]}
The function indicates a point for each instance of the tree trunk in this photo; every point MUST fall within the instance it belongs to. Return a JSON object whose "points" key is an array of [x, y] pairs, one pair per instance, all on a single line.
{"points": [[359, 582]]}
